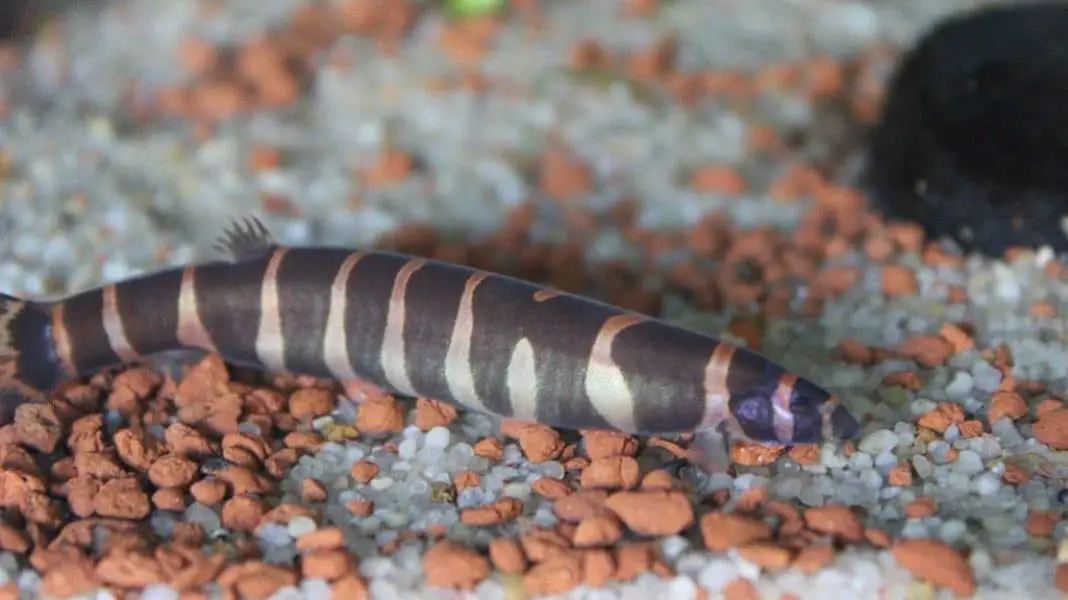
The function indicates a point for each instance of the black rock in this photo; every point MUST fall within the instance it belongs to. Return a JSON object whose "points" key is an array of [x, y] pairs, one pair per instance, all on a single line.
{"points": [[972, 143]]}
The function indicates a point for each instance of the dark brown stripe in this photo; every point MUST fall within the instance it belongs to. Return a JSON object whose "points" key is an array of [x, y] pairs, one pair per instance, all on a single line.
{"points": [[432, 302], [83, 318], [148, 308], [664, 367], [304, 280], [752, 381], [369, 288], [228, 301], [561, 329]]}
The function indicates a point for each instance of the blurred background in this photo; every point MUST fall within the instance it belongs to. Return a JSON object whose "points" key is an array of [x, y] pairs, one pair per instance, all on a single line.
{"points": [[597, 145]]}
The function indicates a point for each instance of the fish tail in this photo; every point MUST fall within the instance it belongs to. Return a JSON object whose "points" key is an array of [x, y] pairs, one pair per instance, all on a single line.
{"points": [[30, 366]]}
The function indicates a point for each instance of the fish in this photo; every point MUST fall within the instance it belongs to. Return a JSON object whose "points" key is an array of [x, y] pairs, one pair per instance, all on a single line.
{"points": [[420, 327]]}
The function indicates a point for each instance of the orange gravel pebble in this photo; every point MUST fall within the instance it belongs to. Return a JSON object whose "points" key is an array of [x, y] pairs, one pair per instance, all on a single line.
{"points": [[854, 352], [1006, 405], [550, 488], [172, 499], [489, 448], [186, 441], [507, 556], [434, 413], [243, 480], [766, 555], [750, 454], [1040, 523], [74, 578], [877, 537], [740, 589], [960, 339], [1014, 474], [723, 531], [1047, 405], [539, 544], [100, 466], [360, 508], [364, 471], [351, 586], [928, 351], [751, 499], [242, 513], [129, 569], [805, 454], [899, 280], [563, 178], [13, 540], [657, 513], [921, 508], [327, 564], [15, 484], [900, 475], [209, 492], [501, 511], [541, 443], [380, 415], [557, 575], [173, 471], [450, 565], [313, 490], [657, 480], [123, 499], [605, 444], [327, 538], [906, 379], [718, 179], [37, 426], [513, 429], [1052, 428], [944, 415], [580, 505], [937, 563], [263, 581], [196, 55], [633, 559], [466, 479], [598, 566], [835, 519], [811, 559], [310, 403], [253, 445], [597, 531], [393, 166], [612, 473], [264, 158], [970, 428]]}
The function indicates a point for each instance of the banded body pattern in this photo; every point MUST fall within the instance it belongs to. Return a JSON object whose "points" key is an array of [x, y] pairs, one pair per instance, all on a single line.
{"points": [[421, 327]]}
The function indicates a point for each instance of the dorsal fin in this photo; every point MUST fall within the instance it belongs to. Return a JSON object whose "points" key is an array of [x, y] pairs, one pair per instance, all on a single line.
{"points": [[245, 239]]}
